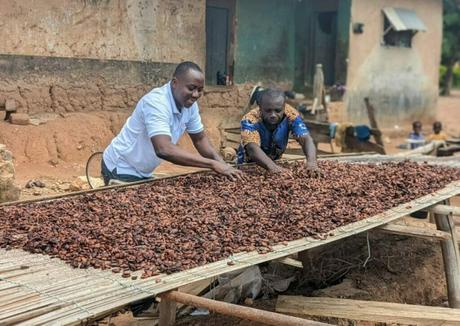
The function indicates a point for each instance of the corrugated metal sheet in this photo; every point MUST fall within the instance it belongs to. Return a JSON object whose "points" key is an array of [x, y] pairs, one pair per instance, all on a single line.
{"points": [[404, 19]]}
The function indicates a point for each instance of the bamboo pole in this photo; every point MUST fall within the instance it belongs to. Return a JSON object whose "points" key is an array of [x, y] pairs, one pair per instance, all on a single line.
{"points": [[266, 317], [28, 315]]}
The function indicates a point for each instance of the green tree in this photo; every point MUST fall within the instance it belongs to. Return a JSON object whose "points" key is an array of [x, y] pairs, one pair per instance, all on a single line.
{"points": [[451, 41]]}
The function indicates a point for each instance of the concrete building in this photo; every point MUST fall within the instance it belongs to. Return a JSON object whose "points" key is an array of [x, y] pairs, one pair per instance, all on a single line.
{"points": [[85, 55]]}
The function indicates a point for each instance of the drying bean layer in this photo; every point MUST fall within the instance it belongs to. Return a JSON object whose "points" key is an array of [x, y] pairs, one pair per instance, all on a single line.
{"points": [[175, 224]]}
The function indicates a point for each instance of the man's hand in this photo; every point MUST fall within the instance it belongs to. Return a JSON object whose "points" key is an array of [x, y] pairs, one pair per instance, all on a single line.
{"points": [[228, 171], [279, 170], [312, 169]]}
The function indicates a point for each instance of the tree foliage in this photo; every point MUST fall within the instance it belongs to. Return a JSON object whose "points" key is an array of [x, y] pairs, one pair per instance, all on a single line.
{"points": [[451, 41], [451, 36]]}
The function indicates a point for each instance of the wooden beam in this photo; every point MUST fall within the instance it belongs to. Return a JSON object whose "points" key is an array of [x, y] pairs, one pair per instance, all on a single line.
{"points": [[261, 316], [451, 258], [414, 231], [384, 312], [445, 209], [167, 312]]}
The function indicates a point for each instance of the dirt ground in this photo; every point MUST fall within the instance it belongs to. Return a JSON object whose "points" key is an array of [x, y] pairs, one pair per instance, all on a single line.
{"points": [[400, 269]]}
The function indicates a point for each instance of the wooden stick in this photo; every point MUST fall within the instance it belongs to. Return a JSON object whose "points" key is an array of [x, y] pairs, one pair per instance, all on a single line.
{"points": [[315, 104], [373, 120], [291, 262], [445, 210], [451, 258], [414, 231], [266, 317], [373, 311]]}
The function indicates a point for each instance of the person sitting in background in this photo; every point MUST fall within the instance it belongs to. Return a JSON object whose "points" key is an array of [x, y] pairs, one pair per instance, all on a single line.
{"points": [[437, 134], [416, 138]]}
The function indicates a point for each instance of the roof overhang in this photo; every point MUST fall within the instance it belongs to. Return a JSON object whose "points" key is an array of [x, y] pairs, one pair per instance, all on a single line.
{"points": [[404, 19]]}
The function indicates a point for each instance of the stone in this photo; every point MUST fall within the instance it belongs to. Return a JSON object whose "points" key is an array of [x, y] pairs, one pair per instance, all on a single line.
{"points": [[5, 154], [53, 162], [10, 194], [6, 170], [346, 289], [248, 302], [20, 119], [228, 153], [10, 105], [75, 186], [64, 186], [35, 183], [34, 122], [8, 190]]}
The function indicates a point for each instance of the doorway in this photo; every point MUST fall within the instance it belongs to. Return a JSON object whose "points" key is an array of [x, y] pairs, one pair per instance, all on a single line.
{"points": [[325, 40], [219, 41]]}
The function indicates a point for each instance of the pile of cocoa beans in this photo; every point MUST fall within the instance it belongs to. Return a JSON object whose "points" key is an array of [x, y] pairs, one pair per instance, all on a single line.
{"points": [[176, 224]]}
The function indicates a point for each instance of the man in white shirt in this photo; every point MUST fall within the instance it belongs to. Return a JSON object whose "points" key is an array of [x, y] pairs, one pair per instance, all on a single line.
{"points": [[152, 131]]}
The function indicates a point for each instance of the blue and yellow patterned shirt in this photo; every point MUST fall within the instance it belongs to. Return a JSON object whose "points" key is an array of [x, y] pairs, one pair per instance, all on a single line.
{"points": [[273, 143]]}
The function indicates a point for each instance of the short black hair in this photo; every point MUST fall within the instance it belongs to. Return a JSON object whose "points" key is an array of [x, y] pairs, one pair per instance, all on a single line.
{"points": [[416, 124], [437, 124], [184, 67], [271, 95]]}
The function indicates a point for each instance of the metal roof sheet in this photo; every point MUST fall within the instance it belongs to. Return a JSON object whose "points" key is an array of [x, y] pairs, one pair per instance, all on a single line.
{"points": [[402, 19]]}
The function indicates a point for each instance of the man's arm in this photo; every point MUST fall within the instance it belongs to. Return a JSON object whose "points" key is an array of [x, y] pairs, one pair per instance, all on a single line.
{"points": [[166, 150], [309, 149], [203, 146], [302, 135], [256, 154]]}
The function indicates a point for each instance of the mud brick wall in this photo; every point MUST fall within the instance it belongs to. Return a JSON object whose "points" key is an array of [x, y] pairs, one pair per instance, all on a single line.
{"points": [[51, 84]]}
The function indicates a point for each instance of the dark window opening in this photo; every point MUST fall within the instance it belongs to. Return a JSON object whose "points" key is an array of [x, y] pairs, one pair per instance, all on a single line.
{"points": [[395, 38]]}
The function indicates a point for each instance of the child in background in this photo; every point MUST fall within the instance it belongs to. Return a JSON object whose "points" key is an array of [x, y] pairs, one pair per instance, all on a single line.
{"points": [[416, 138], [437, 134]]}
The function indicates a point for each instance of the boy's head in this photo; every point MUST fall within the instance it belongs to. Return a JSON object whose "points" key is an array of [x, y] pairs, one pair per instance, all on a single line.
{"points": [[417, 127], [437, 127]]}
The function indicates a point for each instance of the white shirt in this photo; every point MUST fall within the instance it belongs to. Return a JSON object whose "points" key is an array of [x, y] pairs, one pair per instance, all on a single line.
{"points": [[131, 151]]}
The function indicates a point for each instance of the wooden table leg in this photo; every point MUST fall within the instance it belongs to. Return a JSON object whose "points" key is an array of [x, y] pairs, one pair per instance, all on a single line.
{"points": [[451, 258], [167, 312]]}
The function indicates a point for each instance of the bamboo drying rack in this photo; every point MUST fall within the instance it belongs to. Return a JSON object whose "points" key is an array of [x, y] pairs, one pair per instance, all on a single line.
{"points": [[36, 289]]}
